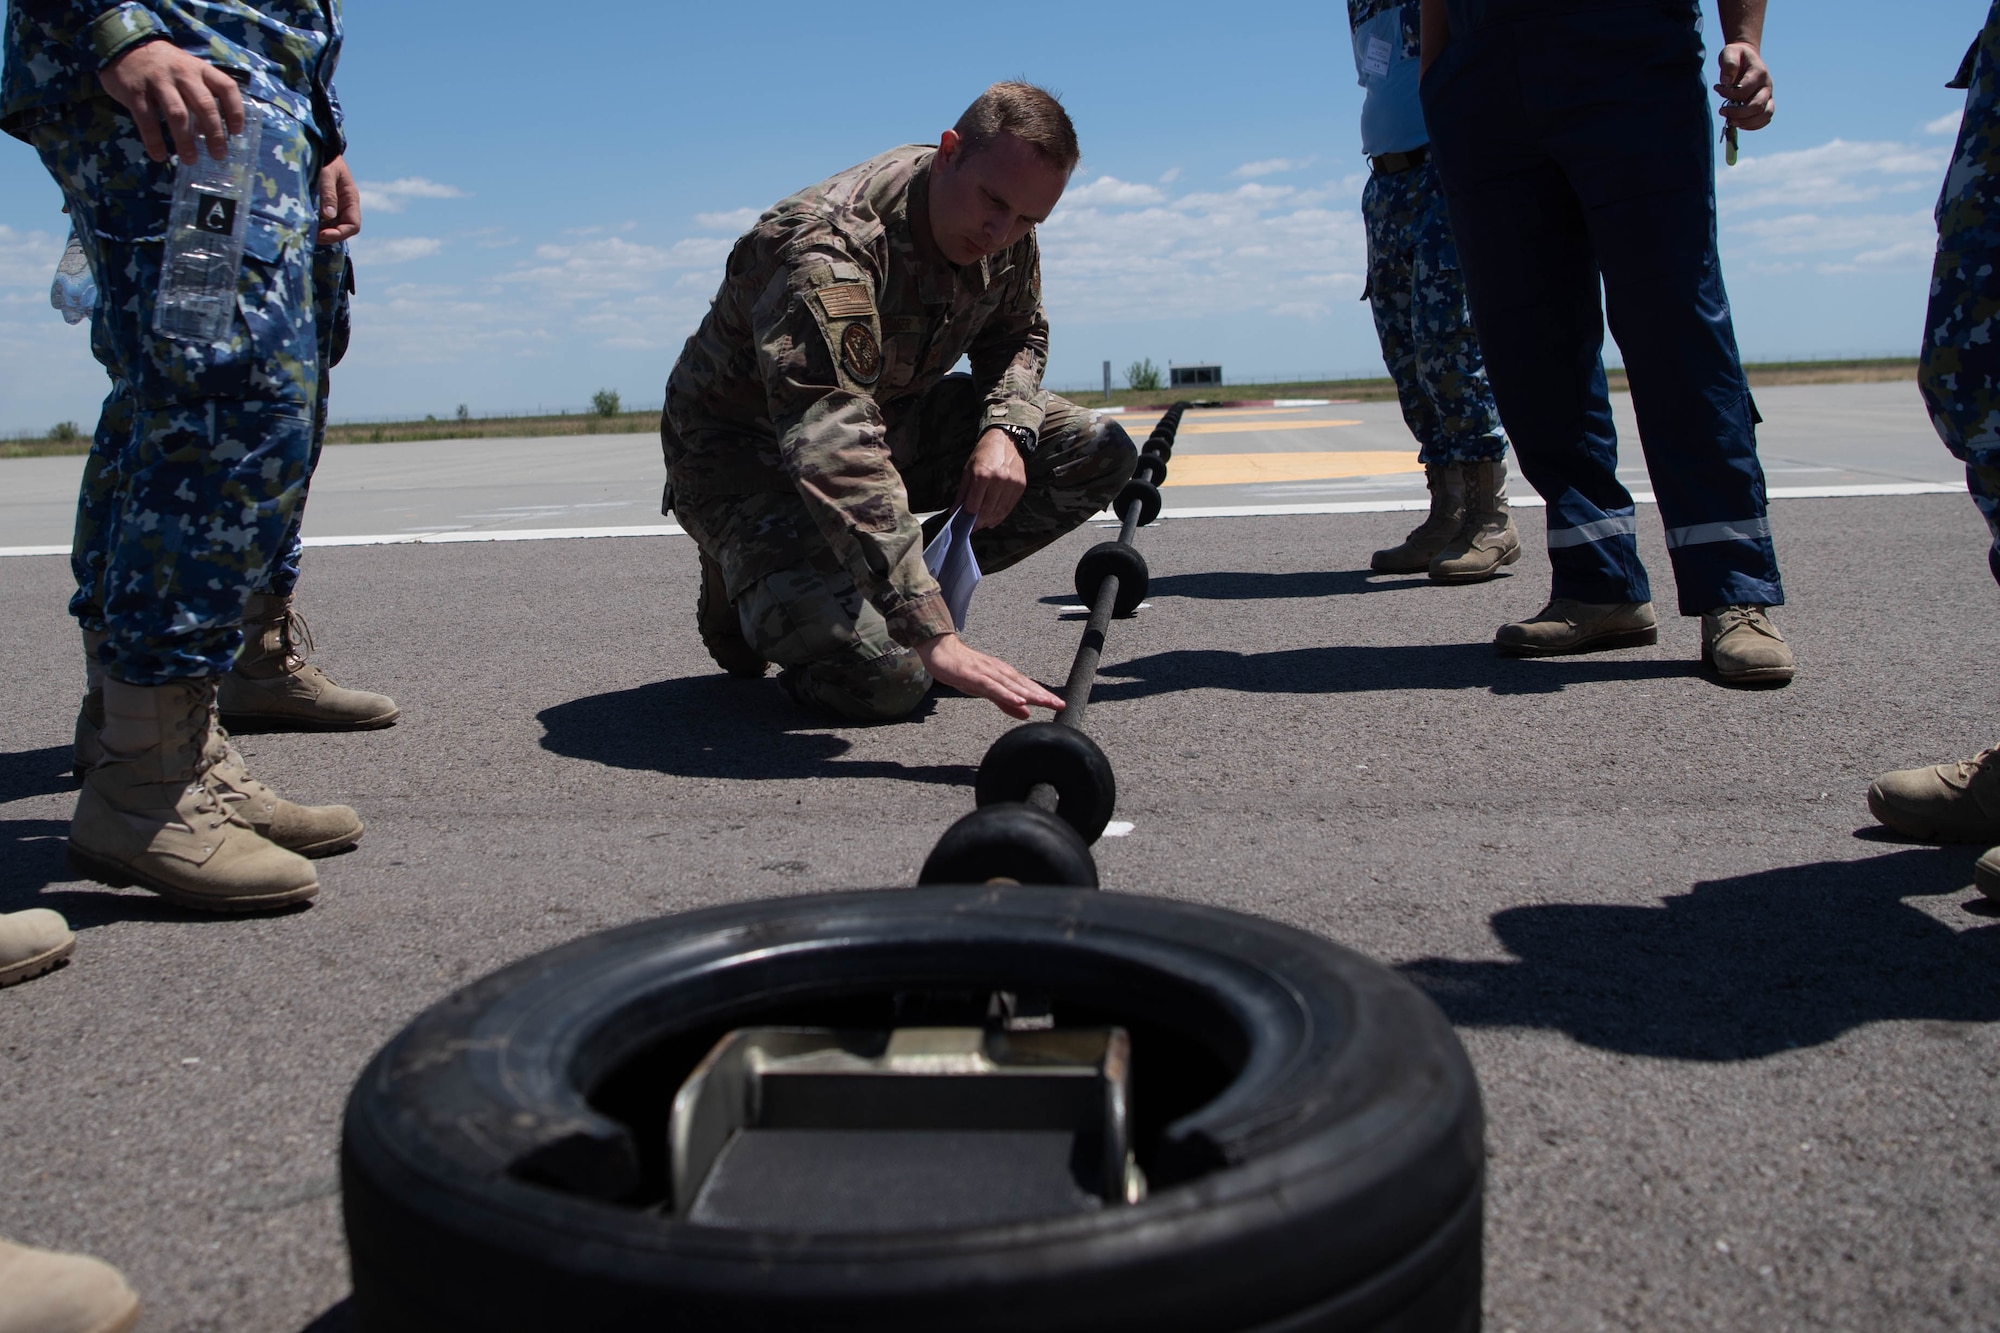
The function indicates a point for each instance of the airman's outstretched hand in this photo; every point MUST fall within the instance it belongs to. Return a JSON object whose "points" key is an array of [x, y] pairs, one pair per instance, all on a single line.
{"points": [[952, 661]]}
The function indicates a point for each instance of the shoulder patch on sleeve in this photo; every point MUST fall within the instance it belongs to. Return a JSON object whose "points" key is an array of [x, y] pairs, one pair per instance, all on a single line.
{"points": [[860, 354], [846, 300]]}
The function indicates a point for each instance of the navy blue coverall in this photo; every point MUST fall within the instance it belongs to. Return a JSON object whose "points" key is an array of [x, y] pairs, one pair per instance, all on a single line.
{"points": [[1575, 142]]}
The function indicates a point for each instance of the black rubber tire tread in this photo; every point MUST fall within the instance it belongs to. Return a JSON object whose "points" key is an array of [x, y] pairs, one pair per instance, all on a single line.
{"points": [[1066, 759], [1346, 1164], [1148, 496], [1015, 841], [1122, 559]]}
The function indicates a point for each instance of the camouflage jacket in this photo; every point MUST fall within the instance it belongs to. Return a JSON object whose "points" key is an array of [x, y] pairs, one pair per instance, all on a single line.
{"points": [[282, 51], [836, 314]]}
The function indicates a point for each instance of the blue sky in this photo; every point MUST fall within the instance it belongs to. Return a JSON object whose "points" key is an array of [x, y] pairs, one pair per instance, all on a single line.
{"points": [[550, 201]]}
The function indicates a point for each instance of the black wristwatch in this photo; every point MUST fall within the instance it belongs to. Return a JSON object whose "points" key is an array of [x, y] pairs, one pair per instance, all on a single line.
{"points": [[1023, 438]]}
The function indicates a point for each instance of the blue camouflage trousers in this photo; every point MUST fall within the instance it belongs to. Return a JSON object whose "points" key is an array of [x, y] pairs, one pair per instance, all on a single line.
{"points": [[1418, 299], [198, 469], [1960, 370]]}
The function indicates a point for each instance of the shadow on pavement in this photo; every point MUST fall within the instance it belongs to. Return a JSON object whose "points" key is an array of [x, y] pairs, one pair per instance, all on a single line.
{"points": [[25, 773], [718, 727], [1736, 968], [32, 858], [1248, 586], [337, 1319], [1349, 669]]}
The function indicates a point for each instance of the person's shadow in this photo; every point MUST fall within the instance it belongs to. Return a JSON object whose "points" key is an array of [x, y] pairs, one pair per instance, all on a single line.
{"points": [[714, 726], [1737, 968], [1355, 668]]}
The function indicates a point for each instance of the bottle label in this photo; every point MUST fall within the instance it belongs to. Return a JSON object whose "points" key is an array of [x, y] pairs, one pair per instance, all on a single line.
{"points": [[217, 216]]}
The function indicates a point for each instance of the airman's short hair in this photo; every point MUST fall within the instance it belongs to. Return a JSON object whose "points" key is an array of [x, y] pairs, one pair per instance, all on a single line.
{"points": [[1030, 114]]}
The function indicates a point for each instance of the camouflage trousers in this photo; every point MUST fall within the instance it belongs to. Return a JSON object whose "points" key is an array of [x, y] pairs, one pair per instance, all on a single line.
{"points": [[198, 469], [1960, 370], [797, 603], [1418, 298]]}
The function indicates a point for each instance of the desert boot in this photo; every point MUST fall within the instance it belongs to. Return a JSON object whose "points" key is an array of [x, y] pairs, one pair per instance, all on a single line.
{"points": [[46, 1291], [1943, 803], [1486, 540], [721, 630], [148, 814], [32, 941], [1743, 647], [274, 686], [1565, 626], [1447, 486]]}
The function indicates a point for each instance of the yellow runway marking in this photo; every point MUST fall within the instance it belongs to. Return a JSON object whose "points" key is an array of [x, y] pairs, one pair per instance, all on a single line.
{"points": [[1239, 469], [1237, 427]]}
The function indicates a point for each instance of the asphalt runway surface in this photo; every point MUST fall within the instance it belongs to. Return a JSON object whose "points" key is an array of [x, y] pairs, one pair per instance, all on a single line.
{"points": [[1738, 1048], [1331, 457]]}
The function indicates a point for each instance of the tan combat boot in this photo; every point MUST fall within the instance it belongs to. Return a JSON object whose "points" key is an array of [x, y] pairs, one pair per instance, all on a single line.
{"points": [[1487, 539], [273, 685], [721, 631], [1566, 626], [309, 830], [43, 1291], [1743, 647], [1447, 485], [149, 816], [32, 942], [1943, 803]]}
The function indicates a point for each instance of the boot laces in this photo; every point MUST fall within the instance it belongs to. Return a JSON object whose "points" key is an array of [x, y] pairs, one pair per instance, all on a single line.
{"points": [[295, 638], [1969, 769], [1734, 617]]}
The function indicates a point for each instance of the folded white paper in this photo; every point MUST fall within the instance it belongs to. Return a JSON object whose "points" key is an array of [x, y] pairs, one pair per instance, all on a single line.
{"points": [[951, 562]]}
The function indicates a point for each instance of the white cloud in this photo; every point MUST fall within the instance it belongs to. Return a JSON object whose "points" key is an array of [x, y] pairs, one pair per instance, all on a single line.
{"points": [[1807, 209], [1109, 190], [397, 250], [1268, 167], [28, 259], [1844, 244], [392, 196], [1276, 250], [1170, 175], [1945, 124], [736, 220], [1836, 172]]}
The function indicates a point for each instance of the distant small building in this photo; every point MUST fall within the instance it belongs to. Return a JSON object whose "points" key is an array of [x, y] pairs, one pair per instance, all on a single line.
{"points": [[1179, 376]]}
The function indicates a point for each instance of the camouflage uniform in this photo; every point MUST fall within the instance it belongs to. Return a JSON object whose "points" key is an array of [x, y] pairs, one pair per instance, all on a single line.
{"points": [[202, 454], [1418, 297], [99, 501], [812, 412], [1960, 374]]}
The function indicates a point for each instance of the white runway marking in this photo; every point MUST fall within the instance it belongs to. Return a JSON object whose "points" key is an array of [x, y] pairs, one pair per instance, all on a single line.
{"points": [[1117, 828], [434, 537]]}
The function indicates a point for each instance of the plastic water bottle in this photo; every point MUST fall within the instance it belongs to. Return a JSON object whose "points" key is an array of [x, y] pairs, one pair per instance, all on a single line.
{"points": [[74, 292], [204, 254]]}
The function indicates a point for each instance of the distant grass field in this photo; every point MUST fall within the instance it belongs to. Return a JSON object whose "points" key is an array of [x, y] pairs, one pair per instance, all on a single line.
{"points": [[1762, 374]]}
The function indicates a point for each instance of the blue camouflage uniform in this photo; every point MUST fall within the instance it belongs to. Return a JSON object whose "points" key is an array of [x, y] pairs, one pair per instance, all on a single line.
{"points": [[1576, 145], [197, 476], [1414, 287], [1960, 373]]}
